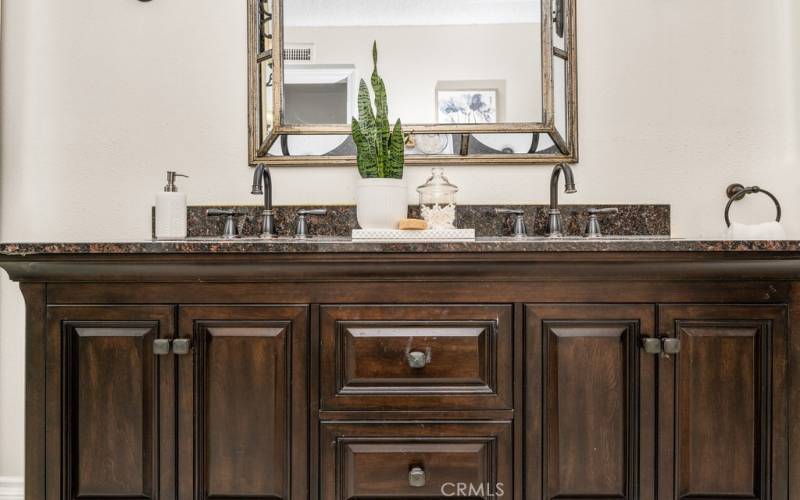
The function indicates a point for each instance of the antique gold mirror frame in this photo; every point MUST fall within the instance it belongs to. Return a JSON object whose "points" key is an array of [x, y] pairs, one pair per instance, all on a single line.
{"points": [[265, 113]]}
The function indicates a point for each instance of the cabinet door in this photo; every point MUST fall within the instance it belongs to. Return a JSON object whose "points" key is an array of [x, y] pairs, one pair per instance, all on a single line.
{"points": [[111, 433], [590, 411], [243, 414], [722, 410]]}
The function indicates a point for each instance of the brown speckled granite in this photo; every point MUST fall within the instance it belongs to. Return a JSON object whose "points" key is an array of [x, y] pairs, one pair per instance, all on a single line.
{"points": [[344, 245], [649, 220]]}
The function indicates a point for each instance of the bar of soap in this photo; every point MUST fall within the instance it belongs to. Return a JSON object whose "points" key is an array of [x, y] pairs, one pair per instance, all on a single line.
{"points": [[413, 224]]}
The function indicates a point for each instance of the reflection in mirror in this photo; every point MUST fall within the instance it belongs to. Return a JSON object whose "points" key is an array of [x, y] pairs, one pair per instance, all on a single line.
{"points": [[421, 145], [313, 145], [267, 106], [264, 58], [560, 26], [448, 61], [560, 94]]}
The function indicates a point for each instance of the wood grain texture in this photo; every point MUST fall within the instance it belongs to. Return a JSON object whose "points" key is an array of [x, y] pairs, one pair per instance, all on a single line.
{"points": [[364, 361], [793, 403], [244, 385], [407, 292], [104, 432], [589, 360], [718, 398], [35, 395]]}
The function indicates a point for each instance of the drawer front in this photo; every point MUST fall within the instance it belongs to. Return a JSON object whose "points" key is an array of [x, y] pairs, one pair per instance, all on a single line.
{"points": [[416, 460], [416, 357]]}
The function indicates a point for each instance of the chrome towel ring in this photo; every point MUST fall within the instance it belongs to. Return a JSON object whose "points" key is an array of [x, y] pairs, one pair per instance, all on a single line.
{"points": [[736, 192]]}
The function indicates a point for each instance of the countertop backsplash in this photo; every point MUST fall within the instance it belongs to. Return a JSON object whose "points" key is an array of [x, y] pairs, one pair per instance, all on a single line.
{"points": [[632, 220]]}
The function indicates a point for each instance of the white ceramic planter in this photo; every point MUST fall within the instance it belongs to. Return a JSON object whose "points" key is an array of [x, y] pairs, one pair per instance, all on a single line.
{"points": [[381, 203]]}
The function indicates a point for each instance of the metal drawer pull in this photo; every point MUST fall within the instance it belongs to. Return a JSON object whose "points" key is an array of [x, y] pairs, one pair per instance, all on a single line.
{"points": [[672, 346], [181, 346], [416, 477], [418, 359], [160, 347], [651, 345]]}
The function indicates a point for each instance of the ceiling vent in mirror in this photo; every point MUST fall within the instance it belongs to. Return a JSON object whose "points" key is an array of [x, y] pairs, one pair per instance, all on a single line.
{"points": [[299, 53]]}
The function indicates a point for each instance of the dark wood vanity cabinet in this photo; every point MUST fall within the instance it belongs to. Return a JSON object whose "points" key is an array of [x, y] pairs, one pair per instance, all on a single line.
{"points": [[242, 402], [614, 421], [524, 387]]}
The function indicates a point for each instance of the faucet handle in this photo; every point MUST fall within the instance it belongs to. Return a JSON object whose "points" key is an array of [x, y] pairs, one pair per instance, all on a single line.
{"points": [[593, 224], [602, 211], [231, 231], [520, 231], [302, 223]]}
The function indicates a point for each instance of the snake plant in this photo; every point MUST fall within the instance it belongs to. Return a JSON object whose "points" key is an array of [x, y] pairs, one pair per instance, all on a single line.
{"points": [[380, 151]]}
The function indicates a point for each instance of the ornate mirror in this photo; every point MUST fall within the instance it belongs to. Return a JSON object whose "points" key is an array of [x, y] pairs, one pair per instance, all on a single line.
{"points": [[476, 81]]}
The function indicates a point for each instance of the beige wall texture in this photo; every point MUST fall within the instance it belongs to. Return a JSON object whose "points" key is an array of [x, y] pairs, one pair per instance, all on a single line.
{"points": [[100, 98]]}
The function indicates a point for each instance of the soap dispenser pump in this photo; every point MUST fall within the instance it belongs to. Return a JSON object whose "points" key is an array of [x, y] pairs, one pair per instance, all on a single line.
{"points": [[171, 211]]}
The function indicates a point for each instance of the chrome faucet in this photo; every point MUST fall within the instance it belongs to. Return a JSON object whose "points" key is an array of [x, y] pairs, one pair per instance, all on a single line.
{"points": [[262, 184], [555, 226]]}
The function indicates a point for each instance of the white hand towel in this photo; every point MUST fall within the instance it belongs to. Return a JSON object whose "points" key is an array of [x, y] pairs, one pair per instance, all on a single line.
{"points": [[764, 231]]}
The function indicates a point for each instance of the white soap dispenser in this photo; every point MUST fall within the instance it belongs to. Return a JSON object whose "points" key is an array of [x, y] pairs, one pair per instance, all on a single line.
{"points": [[171, 213]]}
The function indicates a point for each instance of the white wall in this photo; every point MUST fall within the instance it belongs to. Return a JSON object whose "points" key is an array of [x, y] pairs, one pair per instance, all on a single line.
{"points": [[414, 59], [99, 98]]}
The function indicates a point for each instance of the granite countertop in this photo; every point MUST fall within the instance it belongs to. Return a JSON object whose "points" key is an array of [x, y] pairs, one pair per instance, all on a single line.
{"points": [[345, 245]]}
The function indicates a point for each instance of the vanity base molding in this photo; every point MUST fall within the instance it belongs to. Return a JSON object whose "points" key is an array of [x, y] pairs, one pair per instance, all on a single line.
{"points": [[530, 376]]}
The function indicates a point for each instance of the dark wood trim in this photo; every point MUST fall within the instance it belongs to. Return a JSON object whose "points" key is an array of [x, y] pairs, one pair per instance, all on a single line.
{"points": [[793, 389], [35, 396], [314, 415], [410, 292], [518, 361], [388, 267]]}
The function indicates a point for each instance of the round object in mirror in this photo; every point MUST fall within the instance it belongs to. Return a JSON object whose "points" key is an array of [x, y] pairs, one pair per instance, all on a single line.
{"points": [[431, 144]]}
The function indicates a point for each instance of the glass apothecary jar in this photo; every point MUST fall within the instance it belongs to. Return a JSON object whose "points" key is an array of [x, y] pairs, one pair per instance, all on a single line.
{"points": [[437, 201]]}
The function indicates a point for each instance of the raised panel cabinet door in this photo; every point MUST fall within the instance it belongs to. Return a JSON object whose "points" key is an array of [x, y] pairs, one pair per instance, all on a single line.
{"points": [[111, 433], [590, 402], [416, 460], [722, 424], [243, 404]]}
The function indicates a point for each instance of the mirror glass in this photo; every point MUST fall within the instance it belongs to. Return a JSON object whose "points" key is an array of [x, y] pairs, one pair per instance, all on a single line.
{"points": [[474, 62]]}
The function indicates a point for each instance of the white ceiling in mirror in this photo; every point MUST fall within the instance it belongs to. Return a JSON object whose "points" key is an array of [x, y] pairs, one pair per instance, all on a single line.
{"points": [[310, 13]]}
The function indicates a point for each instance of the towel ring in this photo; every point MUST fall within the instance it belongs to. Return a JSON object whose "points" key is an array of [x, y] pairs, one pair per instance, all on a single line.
{"points": [[736, 192]]}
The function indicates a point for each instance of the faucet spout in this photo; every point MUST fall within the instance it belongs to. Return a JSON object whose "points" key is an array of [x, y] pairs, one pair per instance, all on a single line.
{"points": [[262, 184], [555, 224]]}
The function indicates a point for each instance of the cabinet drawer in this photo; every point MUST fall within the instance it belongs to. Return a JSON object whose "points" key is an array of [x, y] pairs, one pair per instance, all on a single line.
{"points": [[416, 460], [416, 357]]}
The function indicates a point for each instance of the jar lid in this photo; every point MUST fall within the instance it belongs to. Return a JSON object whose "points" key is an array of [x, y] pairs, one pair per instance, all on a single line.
{"points": [[437, 183]]}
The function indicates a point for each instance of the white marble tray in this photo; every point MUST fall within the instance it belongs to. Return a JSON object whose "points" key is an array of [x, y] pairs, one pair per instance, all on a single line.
{"points": [[412, 235]]}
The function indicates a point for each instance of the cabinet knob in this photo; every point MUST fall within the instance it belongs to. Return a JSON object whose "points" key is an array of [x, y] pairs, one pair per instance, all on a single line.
{"points": [[416, 477], [672, 346], [160, 347], [651, 345], [418, 359], [181, 346]]}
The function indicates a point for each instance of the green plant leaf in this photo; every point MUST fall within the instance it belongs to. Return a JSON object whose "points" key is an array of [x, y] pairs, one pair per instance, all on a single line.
{"points": [[380, 152], [365, 114], [365, 157], [396, 152]]}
